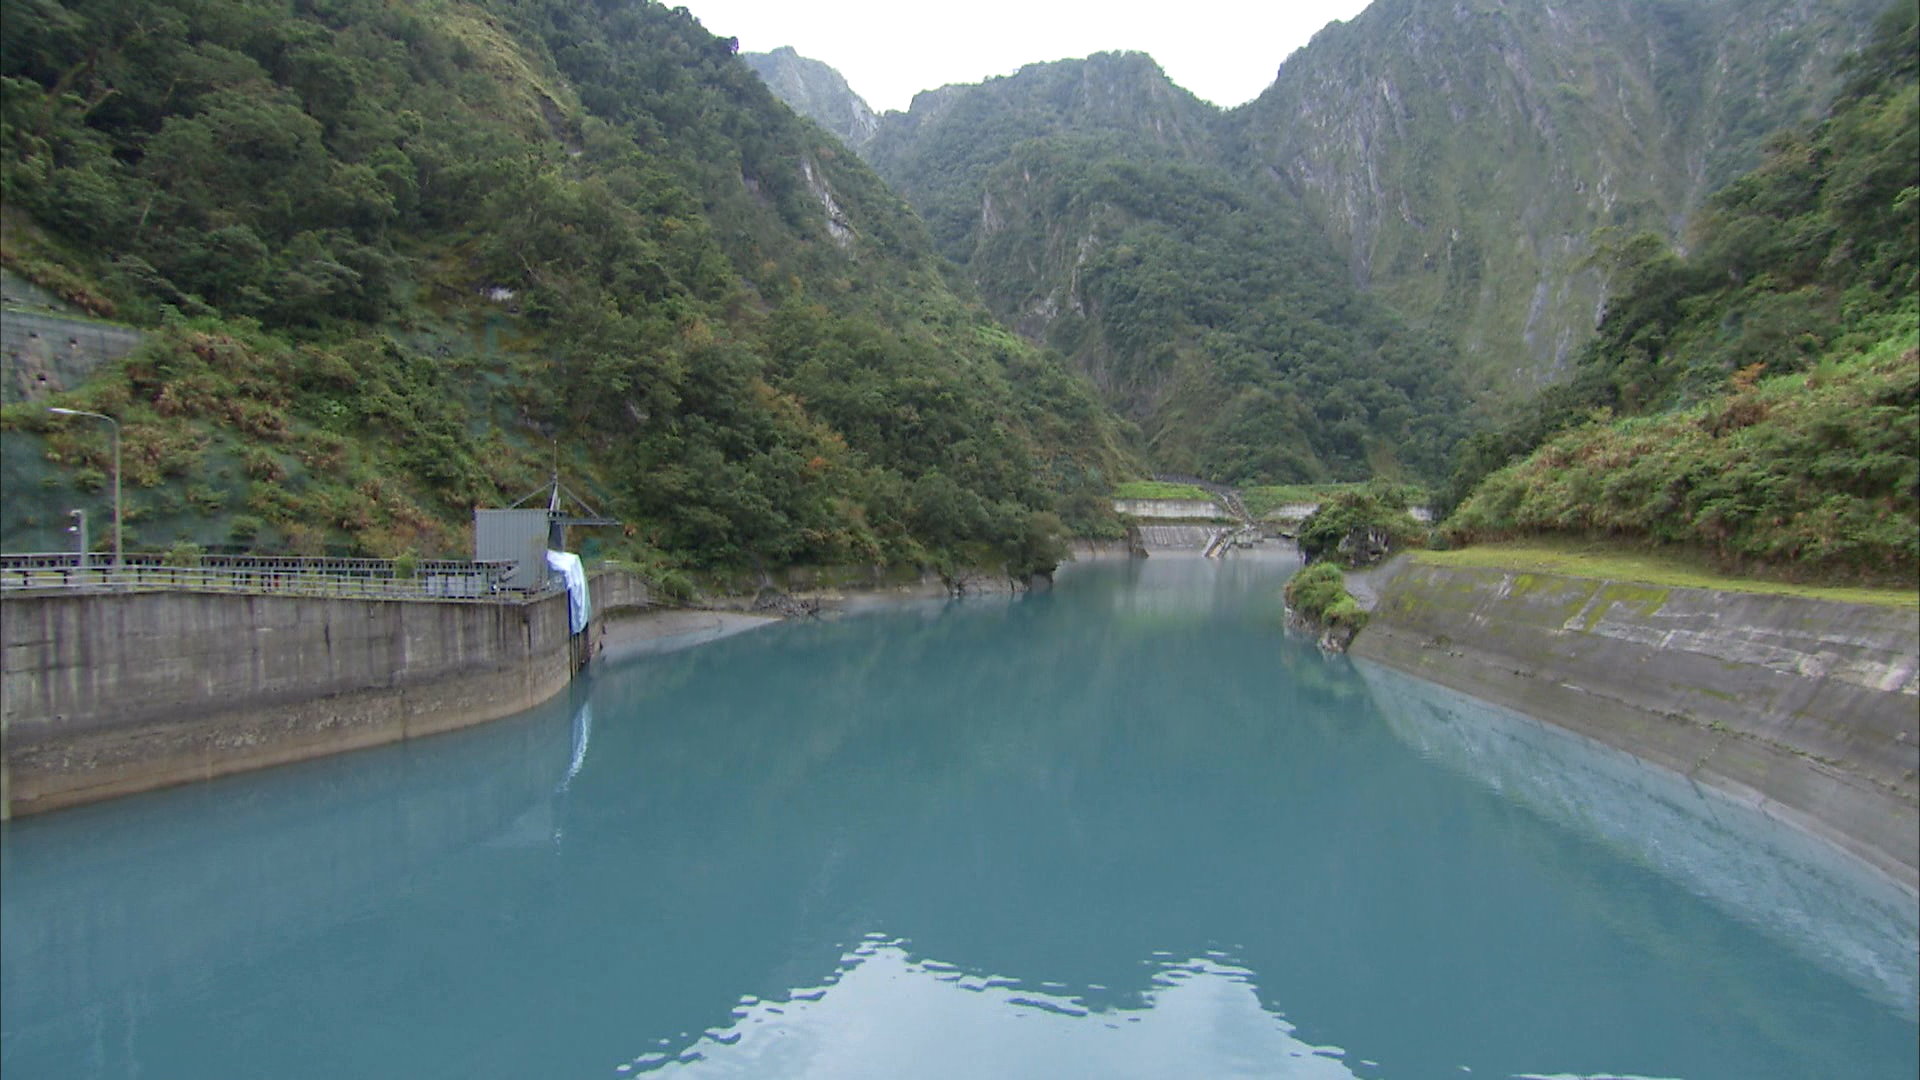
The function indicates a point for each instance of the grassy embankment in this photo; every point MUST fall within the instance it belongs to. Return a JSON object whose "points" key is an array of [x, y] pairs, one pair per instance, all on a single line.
{"points": [[1319, 595], [1265, 499], [1669, 567], [1160, 489], [1808, 476]]}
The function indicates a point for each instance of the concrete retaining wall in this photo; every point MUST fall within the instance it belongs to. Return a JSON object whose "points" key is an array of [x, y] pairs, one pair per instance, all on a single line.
{"points": [[1078, 550], [43, 354], [1809, 707], [1175, 537], [1170, 509], [106, 695], [1807, 895]]}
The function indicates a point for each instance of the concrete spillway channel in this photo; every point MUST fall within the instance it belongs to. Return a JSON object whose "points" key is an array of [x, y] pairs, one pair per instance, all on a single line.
{"points": [[1220, 541], [1211, 525], [1245, 534]]}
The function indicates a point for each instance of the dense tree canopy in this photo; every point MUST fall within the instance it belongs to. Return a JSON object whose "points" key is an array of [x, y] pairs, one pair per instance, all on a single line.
{"points": [[1092, 204], [399, 256]]}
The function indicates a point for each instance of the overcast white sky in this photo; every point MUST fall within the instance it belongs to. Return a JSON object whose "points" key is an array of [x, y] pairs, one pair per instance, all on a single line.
{"points": [[1225, 51]]}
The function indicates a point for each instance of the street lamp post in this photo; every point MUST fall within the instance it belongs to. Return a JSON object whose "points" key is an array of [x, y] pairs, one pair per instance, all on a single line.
{"points": [[116, 476], [79, 528]]}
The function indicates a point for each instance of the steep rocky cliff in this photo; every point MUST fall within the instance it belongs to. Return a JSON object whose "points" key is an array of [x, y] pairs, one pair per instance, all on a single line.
{"points": [[817, 92], [1463, 153], [1460, 157], [1092, 203], [939, 153], [1095, 206]]}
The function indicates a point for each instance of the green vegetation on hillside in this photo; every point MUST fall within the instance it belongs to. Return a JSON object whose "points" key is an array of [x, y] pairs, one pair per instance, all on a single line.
{"points": [[1224, 326], [1160, 489], [1618, 561], [401, 257], [1318, 593], [1812, 472], [1358, 527], [1759, 397], [1263, 500], [1091, 202]]}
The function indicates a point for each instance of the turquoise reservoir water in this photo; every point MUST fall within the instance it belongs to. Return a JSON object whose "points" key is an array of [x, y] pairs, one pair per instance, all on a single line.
{"points": [[1130, 828]]}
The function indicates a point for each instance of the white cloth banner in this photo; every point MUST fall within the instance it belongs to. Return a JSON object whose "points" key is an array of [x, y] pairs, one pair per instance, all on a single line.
{"points": [[579, 603]]}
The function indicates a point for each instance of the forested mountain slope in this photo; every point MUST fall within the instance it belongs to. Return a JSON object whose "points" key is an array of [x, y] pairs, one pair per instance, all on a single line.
{"points": [[1757, 396], [1467, 170], [1463, 155], [1089, 201], [940, 152], [397, 258]]}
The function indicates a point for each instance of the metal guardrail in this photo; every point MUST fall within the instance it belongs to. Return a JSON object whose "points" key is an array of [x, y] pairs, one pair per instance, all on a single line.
{"points": [[378, 579]]}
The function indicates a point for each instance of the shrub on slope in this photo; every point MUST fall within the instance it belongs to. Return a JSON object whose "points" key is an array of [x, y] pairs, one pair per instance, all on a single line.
{"points": [[1814, 472]]}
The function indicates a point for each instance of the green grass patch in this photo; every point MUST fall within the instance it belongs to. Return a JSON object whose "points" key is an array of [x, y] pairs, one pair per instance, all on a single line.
{"points": [[1622, 562], [1808, 475], [1158, 489], [1319, 595], [1267, 498]]}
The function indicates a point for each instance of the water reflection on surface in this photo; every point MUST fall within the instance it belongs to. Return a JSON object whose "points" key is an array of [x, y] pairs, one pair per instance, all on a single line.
{"points": [[886, 1014], [1803, 893], [121, 901], [1130, 824]]}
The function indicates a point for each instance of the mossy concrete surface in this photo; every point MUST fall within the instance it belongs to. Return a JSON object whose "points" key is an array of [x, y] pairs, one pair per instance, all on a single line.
{"points": [[1809, 707]]}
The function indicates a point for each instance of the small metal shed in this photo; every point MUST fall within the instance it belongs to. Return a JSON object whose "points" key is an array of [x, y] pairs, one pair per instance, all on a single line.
{"points": [[523, 537], [516, 536]]}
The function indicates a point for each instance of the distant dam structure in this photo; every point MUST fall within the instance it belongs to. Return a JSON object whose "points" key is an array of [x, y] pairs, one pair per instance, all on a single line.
{"points": [[1211, 526], [1176, 537]]}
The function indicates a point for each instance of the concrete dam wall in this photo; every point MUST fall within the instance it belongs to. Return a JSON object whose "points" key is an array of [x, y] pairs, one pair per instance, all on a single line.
{"points": [[1808, 708], [109, 694], [1175, 537], [1170, 509]]}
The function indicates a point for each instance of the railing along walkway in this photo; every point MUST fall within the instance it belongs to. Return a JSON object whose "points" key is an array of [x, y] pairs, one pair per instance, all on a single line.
{"points": [[373, 579]]}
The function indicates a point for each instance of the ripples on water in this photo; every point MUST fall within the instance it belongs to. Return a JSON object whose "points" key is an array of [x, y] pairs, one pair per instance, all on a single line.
{"points": [[1130, 828]]}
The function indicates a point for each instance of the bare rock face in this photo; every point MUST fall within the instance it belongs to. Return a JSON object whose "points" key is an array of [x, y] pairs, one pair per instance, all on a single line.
{"points": [[1459, 155], [1329, 638], [1464, 154], [838, 227], [817, 92], [1364, 545]]}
